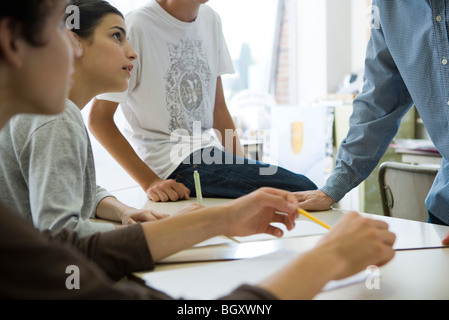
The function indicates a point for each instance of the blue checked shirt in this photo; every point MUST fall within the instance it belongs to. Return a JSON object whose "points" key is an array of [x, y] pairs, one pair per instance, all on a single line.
{"points": [[407, 62]]}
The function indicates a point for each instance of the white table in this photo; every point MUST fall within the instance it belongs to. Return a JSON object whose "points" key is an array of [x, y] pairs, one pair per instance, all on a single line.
{"points": [[418, 271]]}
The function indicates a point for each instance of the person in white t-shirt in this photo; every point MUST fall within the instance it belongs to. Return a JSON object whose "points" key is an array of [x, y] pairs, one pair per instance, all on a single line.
{"points": [[178, 121]]}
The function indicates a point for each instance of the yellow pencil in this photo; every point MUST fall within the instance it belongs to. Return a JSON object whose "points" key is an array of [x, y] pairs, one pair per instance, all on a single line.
{"points": [[308, 215]]}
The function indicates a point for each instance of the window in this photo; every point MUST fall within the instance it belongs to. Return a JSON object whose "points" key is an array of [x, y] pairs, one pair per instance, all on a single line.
{"points": [[249, 29]]}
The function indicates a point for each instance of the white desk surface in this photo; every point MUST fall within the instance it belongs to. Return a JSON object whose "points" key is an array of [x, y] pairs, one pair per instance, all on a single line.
{"points": [[410, 234], [418, 271]]}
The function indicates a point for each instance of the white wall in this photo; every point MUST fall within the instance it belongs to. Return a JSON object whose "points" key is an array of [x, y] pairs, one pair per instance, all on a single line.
{"points": [[331, 39], [311, 49]]}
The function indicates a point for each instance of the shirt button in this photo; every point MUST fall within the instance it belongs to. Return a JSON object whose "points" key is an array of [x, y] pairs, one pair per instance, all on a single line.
{"points": [[444, 61], [438, 18]]}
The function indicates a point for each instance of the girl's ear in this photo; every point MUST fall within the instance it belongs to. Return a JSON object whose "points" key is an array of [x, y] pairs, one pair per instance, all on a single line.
{"points": [[10, 42], [77, 44]]}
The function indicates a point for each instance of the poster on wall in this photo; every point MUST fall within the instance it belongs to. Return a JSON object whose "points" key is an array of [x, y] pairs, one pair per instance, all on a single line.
{"points": [[300, 139]]}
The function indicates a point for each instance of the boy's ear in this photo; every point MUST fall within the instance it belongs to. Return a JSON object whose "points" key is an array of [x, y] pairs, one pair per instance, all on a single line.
{"points": [[10, 42]]}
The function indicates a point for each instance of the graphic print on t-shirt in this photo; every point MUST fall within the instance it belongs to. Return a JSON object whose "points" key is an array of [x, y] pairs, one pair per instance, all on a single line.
{"points": [[187, 85]]}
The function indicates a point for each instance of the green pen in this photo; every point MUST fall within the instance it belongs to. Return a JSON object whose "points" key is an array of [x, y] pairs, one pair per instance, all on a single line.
{"points": [[199, 195]]}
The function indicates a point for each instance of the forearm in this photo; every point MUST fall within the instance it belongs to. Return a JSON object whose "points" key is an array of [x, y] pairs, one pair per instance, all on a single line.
{"points": [[118, 253], [107, 133], [304, 278], [170, 235], [230, 139], [110, 208], [224, 124]]}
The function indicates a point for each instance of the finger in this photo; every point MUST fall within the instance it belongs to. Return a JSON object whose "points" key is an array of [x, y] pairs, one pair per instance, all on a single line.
{"points": [[275, 191], [445, 241], [159, 215], [379, 224], [383, 234], [388, 254], [163, 197], [314, 200], [301, 196], [149, 216], [388, 238], [274, 231], [285, 220], [153, 196], [314, 204], [292, 199], [181, 190], [171, 194], [277, 199]]}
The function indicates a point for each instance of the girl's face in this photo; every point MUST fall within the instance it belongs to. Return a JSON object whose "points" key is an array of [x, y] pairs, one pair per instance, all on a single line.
{"points": [[46, 71], [107, 56]]}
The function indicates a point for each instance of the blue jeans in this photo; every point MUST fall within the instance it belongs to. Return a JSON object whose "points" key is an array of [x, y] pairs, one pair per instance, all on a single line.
{"points": [[223, 175]]}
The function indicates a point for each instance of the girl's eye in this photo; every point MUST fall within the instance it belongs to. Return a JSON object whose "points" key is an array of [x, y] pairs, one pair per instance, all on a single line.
{"points": [[117, 37]]}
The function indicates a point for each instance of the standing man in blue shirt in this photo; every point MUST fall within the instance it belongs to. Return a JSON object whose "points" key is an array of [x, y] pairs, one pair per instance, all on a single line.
{"points": [[407, 62]]}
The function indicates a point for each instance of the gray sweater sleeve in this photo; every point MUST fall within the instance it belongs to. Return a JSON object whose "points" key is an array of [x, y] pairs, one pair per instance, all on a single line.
{"points": [[100, 195], [61, 179]]}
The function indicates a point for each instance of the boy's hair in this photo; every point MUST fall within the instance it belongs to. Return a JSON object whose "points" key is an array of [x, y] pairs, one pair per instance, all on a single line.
{"points": [[29, 17], [91, 13]]}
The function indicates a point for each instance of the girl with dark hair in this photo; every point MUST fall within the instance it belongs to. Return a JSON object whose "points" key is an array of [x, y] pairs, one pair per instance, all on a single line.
{"points": [[92, 12], [52, 180]]}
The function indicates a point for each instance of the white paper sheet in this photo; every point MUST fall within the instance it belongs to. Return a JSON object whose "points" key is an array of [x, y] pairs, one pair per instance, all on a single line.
{"points": [[217, 279], [302, 229]]}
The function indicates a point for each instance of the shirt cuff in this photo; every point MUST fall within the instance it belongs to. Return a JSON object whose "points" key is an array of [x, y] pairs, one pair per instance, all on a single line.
{"points": [[336, 187]]}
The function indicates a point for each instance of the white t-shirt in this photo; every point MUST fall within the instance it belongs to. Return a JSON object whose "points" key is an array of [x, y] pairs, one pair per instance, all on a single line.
{"points": [[170, 101]]}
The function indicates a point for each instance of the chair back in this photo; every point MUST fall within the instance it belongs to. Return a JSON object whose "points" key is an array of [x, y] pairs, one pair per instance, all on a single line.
{"points": [[404, 188]]}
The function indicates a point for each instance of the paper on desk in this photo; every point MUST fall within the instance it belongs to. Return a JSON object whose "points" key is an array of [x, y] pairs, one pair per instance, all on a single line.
{"points": [[242, 247], [211, 281], [362, 276], [214, 241], [218, 279], [303, 228], [224, 251]]}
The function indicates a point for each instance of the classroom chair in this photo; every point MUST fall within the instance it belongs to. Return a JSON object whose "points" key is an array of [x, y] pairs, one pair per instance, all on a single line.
{"points": [[404, 188]]}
